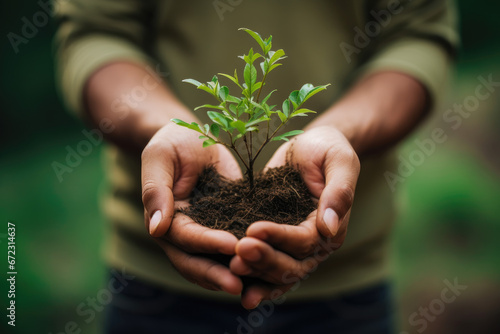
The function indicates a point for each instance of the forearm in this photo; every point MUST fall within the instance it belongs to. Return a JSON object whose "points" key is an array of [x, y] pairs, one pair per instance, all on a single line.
{"points": [[134, 101], [378, 111]]}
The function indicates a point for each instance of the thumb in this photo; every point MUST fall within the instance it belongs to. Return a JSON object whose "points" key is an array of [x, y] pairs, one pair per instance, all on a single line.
{"points": [[157, 175], [336, 199], [226, 164], [279, 157]]}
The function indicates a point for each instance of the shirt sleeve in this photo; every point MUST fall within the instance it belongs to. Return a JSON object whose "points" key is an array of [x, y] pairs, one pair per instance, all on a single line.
{"points": [[418, 38], [93, 33]]}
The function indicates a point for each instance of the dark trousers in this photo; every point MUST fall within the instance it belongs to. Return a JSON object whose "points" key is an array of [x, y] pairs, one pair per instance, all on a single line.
{"points": [[144, 309]]}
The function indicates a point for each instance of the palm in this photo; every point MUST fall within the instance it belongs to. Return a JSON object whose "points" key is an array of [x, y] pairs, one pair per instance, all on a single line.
{"points": [[330, 169], [171, 164]]}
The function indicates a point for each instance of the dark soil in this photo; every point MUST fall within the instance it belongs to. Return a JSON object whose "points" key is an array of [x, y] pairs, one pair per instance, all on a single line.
{"points": [[279, 195]]}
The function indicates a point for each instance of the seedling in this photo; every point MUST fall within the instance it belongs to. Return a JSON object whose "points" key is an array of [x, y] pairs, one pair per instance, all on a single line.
{"points": [[239, 117]]}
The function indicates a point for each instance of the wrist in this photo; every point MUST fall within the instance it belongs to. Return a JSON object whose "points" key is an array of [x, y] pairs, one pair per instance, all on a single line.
{"points": [[149, 119], [111, 97], [378, 111], [349, 131]]}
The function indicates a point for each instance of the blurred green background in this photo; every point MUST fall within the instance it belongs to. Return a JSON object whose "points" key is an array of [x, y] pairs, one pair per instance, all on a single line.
{"points": [[448, 226]]}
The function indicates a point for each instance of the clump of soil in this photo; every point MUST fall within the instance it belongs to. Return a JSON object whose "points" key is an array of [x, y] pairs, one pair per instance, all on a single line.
{"points": [[279, 195]]}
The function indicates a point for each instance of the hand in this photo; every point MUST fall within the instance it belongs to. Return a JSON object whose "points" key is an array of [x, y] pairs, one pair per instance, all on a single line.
{"points": [[171, 163], [282, 255]]}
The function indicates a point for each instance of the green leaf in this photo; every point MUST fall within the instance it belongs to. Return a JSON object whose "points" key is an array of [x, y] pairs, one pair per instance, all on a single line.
{"points": [[236, 77], [219, 118], [250, 75], [233, 99], [238, 136], [180, 122], [223, 93], [233, 79], [287, 134], [214, 129], [256, 105], [304, 91], [233, 108], [268, 41], [199, 85], [282, 117], [274, 66], [269, 44], [215, 79], [264, 66], [257, 37], [212, 85], [206, 127], [257, 113], [268, 96], [193, 82], [286, 107], [256, 121], [294, 98], [248, 58], [209, 142], [302, 112], [275, 56], [240, 126], [247, 75], [255, 87], [193, 126], [267, 110], [241, 108], [207, 89], [211, 106], [255, 57], [313, 91]]}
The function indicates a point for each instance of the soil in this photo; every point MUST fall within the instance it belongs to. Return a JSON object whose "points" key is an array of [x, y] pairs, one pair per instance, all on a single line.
{"points": [[279, 195]]}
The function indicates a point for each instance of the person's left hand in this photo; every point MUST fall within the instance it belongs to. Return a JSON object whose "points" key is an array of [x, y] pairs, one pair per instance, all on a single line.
{"points": [[283, 255]]}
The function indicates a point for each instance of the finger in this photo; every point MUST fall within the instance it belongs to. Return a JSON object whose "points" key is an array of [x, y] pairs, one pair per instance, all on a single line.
{"points": [[279, 157], [157, 175], [253, 295], [202, 271], [239, 267], [195, 238], [299, 241], [226, 165], [269, 264], [341, 169]]}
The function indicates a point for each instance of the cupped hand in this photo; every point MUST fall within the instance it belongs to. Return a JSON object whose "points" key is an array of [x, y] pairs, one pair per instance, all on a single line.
{"points": [[283, 255], [171, 163]]}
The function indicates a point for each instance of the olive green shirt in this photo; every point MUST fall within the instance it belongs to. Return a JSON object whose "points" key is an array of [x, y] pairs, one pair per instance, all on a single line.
{"points": [[333, 42]]}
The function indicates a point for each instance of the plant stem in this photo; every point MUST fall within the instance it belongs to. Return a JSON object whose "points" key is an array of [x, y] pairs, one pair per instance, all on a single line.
{"points": [[238, 154], [250, 176], [232, 147], [261, 86], [250, 159], [249, 165], [266, 141]]}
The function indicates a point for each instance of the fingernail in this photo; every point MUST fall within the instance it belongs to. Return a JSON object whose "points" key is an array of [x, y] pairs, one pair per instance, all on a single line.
{"points": [[257, 304], [331, 220], [154, 222]]}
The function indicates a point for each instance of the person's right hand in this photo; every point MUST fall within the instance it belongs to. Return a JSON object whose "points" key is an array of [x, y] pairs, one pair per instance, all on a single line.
{"points": [[171, 163]]}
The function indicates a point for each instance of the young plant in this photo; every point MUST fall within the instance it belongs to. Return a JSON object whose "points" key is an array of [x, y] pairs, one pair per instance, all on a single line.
{"points": [[240, 116]]}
